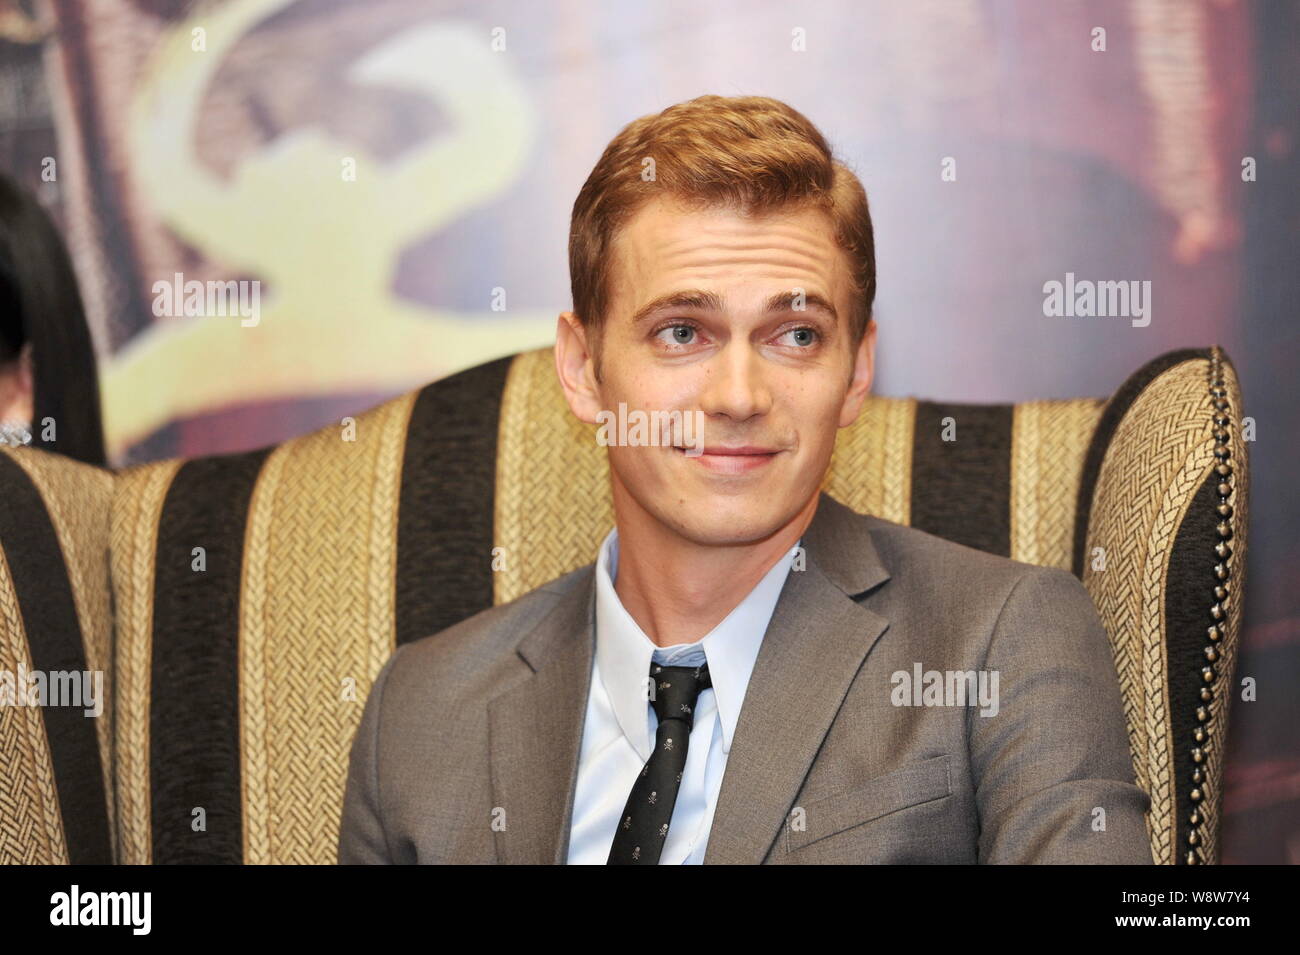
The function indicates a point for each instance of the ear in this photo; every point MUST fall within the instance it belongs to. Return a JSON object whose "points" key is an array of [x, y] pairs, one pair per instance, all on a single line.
{"points": [[18, 388], [575, 367], [864, 367]]}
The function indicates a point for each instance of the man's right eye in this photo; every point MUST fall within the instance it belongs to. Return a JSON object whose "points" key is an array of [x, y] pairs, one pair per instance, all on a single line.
{"points": [[680, 334]]}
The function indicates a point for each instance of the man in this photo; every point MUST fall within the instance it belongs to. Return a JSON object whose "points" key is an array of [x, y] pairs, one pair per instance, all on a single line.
{"points": [[731, 681]]}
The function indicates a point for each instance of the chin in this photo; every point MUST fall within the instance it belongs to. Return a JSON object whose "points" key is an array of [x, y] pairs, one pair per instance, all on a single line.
{"points": [[718, 520]]}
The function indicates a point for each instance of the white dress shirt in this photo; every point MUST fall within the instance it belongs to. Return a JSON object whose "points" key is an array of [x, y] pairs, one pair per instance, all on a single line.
{"points": [[619, 727]]}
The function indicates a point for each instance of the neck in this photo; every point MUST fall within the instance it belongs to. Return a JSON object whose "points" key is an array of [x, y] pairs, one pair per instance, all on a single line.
{"points": [[678, 590]]}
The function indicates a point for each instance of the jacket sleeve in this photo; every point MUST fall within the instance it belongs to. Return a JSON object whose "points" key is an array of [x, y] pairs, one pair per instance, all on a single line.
{"points": [[1052, 768], [361, 831]]}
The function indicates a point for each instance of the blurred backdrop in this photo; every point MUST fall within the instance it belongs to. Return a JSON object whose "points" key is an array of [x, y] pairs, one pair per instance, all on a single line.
{"points": [[397, 175]]}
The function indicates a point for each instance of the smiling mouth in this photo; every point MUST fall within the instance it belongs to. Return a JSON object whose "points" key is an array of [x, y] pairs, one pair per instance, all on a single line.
{"points": [[738, 460]]}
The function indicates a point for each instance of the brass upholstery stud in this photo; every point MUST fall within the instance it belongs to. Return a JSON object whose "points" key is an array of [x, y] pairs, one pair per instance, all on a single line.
{"points": [[1222, 417]]}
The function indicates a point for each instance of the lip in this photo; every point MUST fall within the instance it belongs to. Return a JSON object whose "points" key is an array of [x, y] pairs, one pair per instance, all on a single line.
{"points": [[737, 460], [726, 451]]}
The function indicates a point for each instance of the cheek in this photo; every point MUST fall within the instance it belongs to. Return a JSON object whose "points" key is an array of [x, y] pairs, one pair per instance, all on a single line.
{"points": [[646, 468], [817, 423], [816, 411], [647, 393]]}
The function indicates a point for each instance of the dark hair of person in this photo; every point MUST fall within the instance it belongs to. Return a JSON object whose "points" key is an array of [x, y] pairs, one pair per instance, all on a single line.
{"points": [[40, 304]]}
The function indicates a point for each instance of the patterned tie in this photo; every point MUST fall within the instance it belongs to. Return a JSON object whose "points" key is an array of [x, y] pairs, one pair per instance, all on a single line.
{"points": [[644, 827]]}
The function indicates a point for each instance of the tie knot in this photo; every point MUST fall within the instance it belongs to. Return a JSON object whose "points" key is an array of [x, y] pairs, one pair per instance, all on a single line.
{"points": [[676, 690]]}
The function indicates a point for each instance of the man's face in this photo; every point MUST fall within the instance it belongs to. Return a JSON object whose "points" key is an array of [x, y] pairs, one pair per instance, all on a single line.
{"points": [[704, 316]]}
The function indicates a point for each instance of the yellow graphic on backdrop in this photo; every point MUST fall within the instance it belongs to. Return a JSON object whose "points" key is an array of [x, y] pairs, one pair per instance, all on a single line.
{"points": [[325, 249]]}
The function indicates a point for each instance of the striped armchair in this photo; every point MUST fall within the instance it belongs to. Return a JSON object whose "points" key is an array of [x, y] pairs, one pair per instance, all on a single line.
{"points": [[241, 605]]}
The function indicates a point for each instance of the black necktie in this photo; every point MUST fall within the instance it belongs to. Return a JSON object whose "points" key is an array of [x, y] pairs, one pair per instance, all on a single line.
{"points": [[643, 827]]}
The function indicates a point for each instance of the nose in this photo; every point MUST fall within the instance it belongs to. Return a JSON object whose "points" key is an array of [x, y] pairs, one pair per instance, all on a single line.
{"points": [[737, 386]]}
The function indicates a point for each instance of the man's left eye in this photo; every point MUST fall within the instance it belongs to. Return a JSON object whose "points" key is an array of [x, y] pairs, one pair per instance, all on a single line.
{"points": [[803, 337]]}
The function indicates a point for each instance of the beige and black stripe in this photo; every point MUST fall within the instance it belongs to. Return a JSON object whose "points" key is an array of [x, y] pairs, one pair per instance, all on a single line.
{"points": [[449, 488], [243, 684], [1155, 534], [194, 740], [1006, 484], [1116, 407], [244, 675], [54, 802], [961, 474]]}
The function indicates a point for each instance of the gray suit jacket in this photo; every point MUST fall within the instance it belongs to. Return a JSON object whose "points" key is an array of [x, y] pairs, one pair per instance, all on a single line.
{"points": [[468, 748]]}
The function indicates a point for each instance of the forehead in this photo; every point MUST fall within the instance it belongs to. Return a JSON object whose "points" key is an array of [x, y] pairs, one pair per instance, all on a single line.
{"points": [[665, 246]]}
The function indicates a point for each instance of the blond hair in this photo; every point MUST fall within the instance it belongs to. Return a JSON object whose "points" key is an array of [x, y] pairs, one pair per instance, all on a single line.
{"points": [[752, 154]]}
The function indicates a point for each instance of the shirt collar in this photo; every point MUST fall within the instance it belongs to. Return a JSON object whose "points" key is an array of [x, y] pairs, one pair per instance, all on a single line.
{"points": [[624, 652]]}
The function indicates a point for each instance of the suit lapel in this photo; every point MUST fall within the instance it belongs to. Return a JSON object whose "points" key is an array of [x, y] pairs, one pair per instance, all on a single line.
{"points": [[536, 730], [812, 650]]}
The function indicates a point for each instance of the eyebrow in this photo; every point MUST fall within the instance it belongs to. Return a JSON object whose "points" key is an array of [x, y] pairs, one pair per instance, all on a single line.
{"points": [[703, 300]]}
